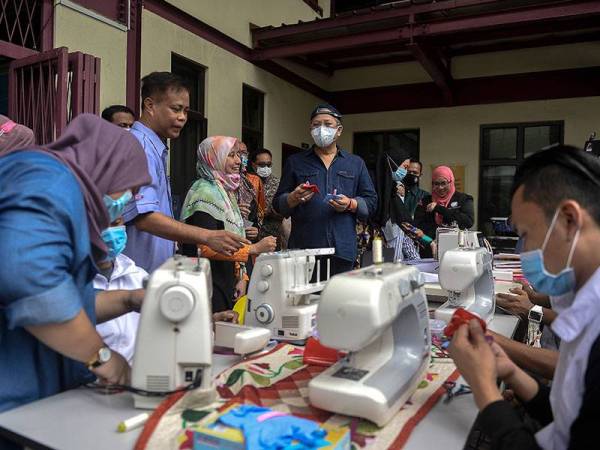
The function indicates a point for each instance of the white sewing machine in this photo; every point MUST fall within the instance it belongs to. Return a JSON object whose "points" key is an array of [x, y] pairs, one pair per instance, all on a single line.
{"points": [[448, 239], [174, 342], [281, 297], [466, 273], [379, 314]]}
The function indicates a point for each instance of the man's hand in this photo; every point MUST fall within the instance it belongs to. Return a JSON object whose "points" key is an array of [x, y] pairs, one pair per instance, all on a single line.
{"points": [[225, 242], [341, 204], [476, 362], [136, 298], [431, 206], [252, 233], [516, 303], [240, 289], [504, 366], [400, 190], [225, 316], [299, 195], [114, 371]]}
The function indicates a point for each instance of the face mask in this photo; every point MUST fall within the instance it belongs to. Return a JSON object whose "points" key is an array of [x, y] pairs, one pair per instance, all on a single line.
{"points": [[115, 207], [411, 179], [534, 270], [263, 172], [115, 239], [323, 136], [244, 160], [398, 174]]}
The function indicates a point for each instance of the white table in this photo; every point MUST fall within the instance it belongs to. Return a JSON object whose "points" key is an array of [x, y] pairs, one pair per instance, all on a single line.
{"points": [[83, 419]]}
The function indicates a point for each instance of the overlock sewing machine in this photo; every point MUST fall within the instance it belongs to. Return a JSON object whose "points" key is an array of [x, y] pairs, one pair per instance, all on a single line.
{"points": [[379, 315], [448, 239], [174, 344], [466, 274], [281, 296]]}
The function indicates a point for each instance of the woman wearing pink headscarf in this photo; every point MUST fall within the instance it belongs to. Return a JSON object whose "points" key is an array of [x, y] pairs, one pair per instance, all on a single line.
{"points": [[14, 136], [211, 203], [445, 207]]}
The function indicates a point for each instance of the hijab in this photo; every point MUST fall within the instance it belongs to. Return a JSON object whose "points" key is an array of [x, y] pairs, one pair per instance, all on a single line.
{"points": [[389, 205], [446, 173], [14, 135], [105, 159], [214, 190]]}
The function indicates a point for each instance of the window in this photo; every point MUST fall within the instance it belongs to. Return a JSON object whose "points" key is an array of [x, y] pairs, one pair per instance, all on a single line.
{"points": [[342, 6], [183, 155], [503, 148], [369, 145], [253, 108]]}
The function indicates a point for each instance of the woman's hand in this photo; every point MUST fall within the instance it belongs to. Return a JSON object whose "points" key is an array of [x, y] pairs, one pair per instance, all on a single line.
{"points": [[299, 195], [114, 371], [244, 210], [431, 206], [252, 233], [240, 289], [516, 303], [476, 362], [225, 316], [266, 244]]}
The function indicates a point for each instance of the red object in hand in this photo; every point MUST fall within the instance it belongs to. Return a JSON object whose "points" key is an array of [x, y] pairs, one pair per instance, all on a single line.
{"points": [[461, 317], [317, 354], [311, 187]]}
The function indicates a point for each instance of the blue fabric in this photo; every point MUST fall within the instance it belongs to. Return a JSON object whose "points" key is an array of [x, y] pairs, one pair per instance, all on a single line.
{"points": [[147, 250], [316, 224], [276, 432], [116, 207], [46, 274]]}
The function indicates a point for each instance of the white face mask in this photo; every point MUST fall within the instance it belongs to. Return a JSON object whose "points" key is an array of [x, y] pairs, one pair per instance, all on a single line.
{"points": [[323, 136], [263, 172]]}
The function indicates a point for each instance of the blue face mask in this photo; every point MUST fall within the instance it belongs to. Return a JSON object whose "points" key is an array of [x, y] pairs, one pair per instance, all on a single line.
{"points": [[115, 239], [398, 174], [115, 207], [534, 270], [244, 160]]}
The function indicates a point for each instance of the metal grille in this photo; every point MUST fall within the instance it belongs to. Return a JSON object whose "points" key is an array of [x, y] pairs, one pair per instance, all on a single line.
{"points": [[157, 382], [290, 322], [48, 89], [20, 22]]}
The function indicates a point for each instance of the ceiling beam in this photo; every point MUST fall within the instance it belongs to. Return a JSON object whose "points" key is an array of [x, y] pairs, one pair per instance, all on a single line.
{"points": [[435, 67], [361, 17], [521, 17]]}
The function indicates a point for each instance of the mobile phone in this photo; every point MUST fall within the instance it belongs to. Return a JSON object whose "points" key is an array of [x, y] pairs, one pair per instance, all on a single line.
{"points": [[332, 197]]}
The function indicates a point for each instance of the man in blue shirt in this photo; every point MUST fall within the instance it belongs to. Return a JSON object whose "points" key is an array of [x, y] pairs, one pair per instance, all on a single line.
{"points": [[151, 229], [318, 221]]}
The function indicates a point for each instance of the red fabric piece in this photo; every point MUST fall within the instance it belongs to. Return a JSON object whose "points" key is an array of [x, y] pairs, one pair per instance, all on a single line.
{"points": [[461, 317]]}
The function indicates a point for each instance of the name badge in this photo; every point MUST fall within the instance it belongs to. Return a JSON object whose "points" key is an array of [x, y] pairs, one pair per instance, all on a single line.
{"points": [[453, 204]]}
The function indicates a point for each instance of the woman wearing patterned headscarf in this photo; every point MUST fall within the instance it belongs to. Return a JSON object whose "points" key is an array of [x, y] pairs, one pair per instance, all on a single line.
{"points": [[55, 203], [446, 207], [211, 204]]}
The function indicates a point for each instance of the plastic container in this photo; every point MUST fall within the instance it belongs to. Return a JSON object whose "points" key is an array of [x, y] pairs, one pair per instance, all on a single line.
{"points": [[436, 327]]}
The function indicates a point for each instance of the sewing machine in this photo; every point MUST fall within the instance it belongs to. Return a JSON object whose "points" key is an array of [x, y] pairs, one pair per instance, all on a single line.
{"points": [[448, 239], [379, 315], [466, 273], [174, 342], [281, 296]]}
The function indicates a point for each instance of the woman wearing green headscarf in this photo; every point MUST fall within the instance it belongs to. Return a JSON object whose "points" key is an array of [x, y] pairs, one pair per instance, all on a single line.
{"points": [[211, 204]]}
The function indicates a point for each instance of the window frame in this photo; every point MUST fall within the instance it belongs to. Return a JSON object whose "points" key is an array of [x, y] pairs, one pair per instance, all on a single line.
{"points": [[255, 132], [385, 141]]}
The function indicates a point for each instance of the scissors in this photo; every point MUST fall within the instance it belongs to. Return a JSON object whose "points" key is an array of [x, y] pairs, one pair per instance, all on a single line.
{"points": [[451, 392]]}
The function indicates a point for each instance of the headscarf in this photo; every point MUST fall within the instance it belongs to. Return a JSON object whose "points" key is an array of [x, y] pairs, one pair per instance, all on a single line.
{"points": [[214, 190], [104, 159], [446, 173], [14, 135], [389, 205]]}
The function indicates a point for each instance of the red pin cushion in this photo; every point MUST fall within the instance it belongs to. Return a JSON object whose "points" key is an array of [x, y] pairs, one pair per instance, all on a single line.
{"points": [[311, 187], [461, 316]]}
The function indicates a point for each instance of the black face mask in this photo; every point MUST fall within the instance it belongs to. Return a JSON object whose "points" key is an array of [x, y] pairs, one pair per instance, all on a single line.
{"points": [[411, 179]]}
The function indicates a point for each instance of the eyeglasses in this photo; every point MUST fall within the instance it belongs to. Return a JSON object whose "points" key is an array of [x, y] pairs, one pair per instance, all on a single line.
{"points": [[264, 164], [440, 183]]}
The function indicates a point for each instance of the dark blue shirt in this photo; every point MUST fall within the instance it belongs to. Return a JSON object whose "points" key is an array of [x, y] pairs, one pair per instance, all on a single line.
{"points": [[46, 274], [316, 224]]}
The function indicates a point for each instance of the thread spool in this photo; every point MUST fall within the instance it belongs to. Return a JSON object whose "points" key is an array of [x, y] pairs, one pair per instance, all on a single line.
{"points": [[377, 251]]}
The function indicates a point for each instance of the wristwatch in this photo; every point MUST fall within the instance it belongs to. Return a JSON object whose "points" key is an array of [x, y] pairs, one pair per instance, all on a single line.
{"points": [[535, 314], [102, 356]]}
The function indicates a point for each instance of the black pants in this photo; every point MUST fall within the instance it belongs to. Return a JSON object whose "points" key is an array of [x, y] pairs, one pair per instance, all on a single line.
{"points": [[337, 265]]}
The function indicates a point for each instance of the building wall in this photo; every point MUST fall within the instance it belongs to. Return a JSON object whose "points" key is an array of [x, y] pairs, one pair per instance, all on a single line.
{"points": [[82, 33], [451, 135], [233, 17], [287, 108]]}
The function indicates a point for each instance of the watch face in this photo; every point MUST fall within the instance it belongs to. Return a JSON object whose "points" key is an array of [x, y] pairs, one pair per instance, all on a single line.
{"points": [[104, 354]]}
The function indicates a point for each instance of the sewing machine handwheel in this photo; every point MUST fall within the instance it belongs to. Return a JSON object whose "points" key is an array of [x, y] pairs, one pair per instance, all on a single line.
{"points": [[264, 314], [176, 303]]}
